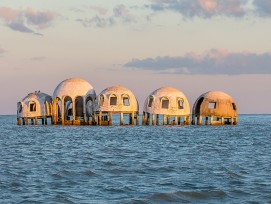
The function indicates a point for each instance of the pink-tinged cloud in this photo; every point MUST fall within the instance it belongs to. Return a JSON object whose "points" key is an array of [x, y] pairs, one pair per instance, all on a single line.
{"points": [[8, 14], [22, 19], [212, 62], [202, 8], [2, 51]]}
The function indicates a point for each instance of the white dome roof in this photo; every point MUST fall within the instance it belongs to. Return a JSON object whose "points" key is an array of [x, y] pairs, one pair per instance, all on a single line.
{"points": [[173, 95], [73, 87]]}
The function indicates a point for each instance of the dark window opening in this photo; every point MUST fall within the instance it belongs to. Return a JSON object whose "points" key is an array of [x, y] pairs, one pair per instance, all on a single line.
{"points": [[165, 103], [212, 105], [126, 101], [101, 100], [180, 104], [234, 106], [32, 107], [113, 100], [150, 102]]}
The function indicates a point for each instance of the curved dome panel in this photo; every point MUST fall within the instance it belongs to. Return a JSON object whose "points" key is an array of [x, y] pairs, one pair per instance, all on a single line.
{"points": [[167, 101], [215, 103], [117, 99], [73, 87]]}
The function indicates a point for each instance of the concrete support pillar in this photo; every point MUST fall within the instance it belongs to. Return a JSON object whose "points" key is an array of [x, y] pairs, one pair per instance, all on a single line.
{"points": [[199, 120], [236, 120], [157, 119], [206, 121], [188, 120], [110, 118], [211, 120], [143, 119], [63, 113], [231, 121], [100, 118], [26, 121], [152, 119], [175, 120], [18, 121], [137, 118], [73, 110], [132, 118], [147, 118], [222, 121], [164, 120], [36, 121], [121, 119]]}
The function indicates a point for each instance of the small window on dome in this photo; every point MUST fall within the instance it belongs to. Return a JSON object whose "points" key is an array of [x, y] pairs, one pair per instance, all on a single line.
{"points": [[113, 100], [150, 101], [126, 101], [180, 103], [32, 106], [101, 100], [234, 106], [165, 103], [212, 105]]}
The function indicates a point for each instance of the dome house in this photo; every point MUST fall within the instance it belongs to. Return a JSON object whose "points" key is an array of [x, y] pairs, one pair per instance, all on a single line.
{"points": [[215, 108], [35, 106], [73, 102], [117, 100], [168, 102]]}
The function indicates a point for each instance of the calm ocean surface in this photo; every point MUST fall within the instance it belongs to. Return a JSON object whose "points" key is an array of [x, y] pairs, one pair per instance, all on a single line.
{"points": [[90, 164]]}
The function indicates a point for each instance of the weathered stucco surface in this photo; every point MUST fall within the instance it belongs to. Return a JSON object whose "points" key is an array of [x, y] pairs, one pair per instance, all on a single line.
{"points": [[120, 92], [224, 105], [173, 95]]}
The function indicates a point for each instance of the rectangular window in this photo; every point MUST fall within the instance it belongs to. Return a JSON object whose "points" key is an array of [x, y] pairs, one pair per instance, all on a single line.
{"points": [[32, 107], [150, 102], [180, 104], [126, 101], [113, 101], [212, 105], [165, 103]]}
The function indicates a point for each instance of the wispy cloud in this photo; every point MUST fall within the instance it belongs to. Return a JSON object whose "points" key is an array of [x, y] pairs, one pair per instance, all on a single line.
{"points": [[201, 8], [212, 62], [211, 8], [23, 19], [119, 14]]}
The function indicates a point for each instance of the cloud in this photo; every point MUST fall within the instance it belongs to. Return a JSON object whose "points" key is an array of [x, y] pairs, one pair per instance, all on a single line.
{"points": [[263, 7], [201, 8], [22, 19], [120, 14], [213, 62]]}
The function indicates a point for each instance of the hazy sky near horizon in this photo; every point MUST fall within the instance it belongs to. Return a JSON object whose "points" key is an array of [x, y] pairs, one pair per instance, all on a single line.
{"points": [[193, 45]]}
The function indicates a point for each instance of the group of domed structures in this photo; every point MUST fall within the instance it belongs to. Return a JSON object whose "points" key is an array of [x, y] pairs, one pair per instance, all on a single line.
{"points": [[74, 102]]}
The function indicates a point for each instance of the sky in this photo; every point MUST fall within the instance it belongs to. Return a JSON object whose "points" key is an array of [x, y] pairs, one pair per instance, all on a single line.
{"points": [[193, 45]]}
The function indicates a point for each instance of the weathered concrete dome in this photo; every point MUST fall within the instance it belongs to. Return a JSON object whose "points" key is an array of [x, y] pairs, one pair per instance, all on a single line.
{"points": [[73, 87], [36, 104], [117, 99], [215, 103], [167, 101]]}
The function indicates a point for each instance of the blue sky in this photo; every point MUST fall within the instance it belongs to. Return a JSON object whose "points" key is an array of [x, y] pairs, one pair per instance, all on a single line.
{"points": [[193, 45]]}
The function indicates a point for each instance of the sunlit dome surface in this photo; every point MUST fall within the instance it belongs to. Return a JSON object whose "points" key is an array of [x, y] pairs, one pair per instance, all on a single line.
{"points": [[73, 87]]}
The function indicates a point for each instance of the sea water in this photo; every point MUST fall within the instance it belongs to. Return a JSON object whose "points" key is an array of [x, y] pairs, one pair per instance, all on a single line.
{"points": [[139, 164]]}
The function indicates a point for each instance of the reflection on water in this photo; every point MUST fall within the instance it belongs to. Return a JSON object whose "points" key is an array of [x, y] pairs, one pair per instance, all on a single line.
{"points": [[88, 164]]}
